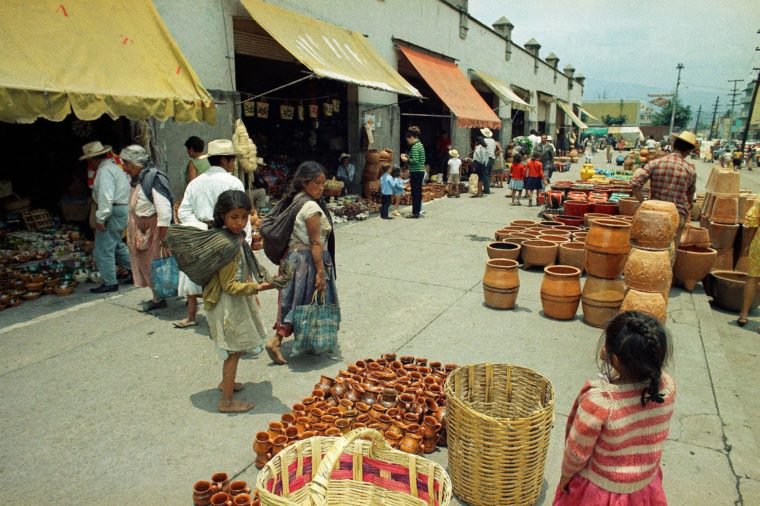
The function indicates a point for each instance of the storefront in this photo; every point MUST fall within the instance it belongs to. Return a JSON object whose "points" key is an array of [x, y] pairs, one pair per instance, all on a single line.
{"points": [[518, 106]]}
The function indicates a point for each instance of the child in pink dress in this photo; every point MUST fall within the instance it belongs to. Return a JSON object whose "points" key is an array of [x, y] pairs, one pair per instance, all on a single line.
{"points": [[618, 425]]}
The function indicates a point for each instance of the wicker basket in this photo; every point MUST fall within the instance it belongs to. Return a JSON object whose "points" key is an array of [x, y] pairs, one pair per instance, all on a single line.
{"points": [[350, 471], [499, 422]]}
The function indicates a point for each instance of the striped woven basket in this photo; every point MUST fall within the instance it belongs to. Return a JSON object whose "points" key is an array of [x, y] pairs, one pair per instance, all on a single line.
{"points": [[358, 469], [499, 421]]}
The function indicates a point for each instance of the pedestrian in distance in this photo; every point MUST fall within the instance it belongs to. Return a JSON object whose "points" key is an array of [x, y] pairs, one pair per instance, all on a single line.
{"points": [[610, 146], [398, 189], [516, 178], [480, 160], [415, 159], [454, 169], [546, 150], [386, 190], [618, 424], [493, 149], [534, 178]]}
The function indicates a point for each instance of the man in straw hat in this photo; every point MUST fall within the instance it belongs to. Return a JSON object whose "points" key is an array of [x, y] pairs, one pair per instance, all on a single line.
{"points": [[346, 171], [111, 195], [672, 178], [493, 149]]}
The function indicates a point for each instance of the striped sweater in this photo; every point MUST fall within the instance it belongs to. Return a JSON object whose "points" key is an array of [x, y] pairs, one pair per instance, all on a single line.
{"points": [[614, 442]]}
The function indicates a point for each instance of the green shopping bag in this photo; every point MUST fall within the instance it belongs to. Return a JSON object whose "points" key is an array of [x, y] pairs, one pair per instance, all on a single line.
{"points": [[315, 326]]}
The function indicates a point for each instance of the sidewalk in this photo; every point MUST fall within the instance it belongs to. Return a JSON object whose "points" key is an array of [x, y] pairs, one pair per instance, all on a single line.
{"points": [[106, 405]]}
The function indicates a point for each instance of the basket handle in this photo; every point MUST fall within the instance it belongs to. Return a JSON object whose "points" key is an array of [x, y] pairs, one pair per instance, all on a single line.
{"points": [[320, 482]]}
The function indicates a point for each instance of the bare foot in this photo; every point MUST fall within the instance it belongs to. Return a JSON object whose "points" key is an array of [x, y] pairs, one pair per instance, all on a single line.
{"points": [[274, 352], [238, 387], [235, 406]]}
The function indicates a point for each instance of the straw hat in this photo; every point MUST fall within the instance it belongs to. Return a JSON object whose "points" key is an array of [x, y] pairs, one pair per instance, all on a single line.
{"points": [[453, 153], [342, 156], [220, 147], [486, 132], [687, 137], [93, 149]]}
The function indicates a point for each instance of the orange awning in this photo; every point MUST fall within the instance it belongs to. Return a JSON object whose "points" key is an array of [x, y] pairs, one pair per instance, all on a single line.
{"points": [[451, 86]]}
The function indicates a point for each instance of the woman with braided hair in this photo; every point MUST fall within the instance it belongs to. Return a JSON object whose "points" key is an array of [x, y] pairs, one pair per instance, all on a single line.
{"points": [[619, 423]]}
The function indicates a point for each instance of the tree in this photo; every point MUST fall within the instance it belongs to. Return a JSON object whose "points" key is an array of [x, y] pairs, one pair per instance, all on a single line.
{"points": [[614, 120], [683, 115]]}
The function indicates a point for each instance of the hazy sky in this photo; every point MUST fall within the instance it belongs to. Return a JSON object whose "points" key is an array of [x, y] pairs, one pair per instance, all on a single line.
{"points": [[640, 42]]}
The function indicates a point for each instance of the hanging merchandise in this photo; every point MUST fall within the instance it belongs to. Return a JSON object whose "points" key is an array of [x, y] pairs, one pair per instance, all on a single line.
{"points": [[327, 108], [313, 111], [243, 143], [301, 112], [249, 109], [262, 110], [336, 105], [286, 112], [81, 128]]}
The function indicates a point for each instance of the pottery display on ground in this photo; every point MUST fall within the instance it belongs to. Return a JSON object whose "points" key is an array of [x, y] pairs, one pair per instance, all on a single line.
{"points": [[502, 249], [573, 254], [576, 208], [607, 245], [501, 283], [628, 205], [601, 300], [648, 270], [589, 217], [580, 236], [727, 289], [652, 303], [693, 263], [575, 221], [523, 223], [652, 229], [539, 253], [556, 238], [722, 235], [605, 208], [561, 291]]}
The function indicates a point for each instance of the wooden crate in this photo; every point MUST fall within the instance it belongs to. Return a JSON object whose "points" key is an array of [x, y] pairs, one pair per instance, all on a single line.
{"points": [[36, 219]]}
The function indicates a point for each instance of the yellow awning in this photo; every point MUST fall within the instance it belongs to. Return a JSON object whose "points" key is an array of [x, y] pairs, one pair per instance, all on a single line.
{"points": [[329, 50], [94, 57], [591, 116], [504, 91], [570, 114]]}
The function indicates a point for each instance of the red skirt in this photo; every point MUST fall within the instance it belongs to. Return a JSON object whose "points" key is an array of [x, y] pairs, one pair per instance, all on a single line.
{"points": [[581, 491]]}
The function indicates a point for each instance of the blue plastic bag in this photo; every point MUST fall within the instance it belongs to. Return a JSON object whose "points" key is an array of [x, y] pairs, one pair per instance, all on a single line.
{"points": [[164, 276]]}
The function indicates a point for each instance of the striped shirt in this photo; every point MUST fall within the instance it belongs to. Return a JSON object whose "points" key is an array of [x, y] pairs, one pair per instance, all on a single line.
{"points": [[614, 442], [416, 157]]}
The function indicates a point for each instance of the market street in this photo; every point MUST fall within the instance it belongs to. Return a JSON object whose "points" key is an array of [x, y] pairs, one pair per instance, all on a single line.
{"points": [[103, 404]]}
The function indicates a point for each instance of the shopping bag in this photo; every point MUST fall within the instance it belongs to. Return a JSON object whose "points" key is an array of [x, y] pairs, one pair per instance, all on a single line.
{"points": [[315, 326], [164, 277], [472, 184]]}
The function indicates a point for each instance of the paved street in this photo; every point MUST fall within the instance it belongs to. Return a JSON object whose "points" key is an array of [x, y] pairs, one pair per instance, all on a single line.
{"points": [[105, 405]]}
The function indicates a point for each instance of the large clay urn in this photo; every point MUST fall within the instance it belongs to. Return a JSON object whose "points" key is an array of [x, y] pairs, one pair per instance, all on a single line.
{"points": [[647, 302], [561, 291], [727, 289], [662, 206], [539, 253], [606, 208], [693, 263], [648, 271], [601, 299], [607, 245], [573, 254], [501, 283], [652, 229], [695, 236], [589, 217], [501, 249], [725, 210], [628, 205], [722, 235], [576, 208]]}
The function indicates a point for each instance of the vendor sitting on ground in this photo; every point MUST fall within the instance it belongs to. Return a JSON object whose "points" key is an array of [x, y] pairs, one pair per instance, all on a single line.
{"points": [[346, 171]]}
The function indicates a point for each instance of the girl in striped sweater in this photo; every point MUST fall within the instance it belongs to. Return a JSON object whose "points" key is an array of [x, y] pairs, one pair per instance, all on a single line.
{"points": [[618, 425]]}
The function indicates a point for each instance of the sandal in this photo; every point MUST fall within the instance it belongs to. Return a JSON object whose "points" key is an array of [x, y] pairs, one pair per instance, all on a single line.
{"points": [[742, 321], [183, 324]]}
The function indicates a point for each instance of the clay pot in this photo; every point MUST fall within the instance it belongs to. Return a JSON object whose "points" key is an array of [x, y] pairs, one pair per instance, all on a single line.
{"points": [[569, 220], [372, 156], [570, 229], [221, 499], [275, 429], [539, 253], [693, 263], [512, 228], [647, 302], [652, 229], [523, 223], [695, 236], [722, 235], [724, 260], [202, 492], [242, 500], [628, 205], [508, 250], [292, 434], [727, 289], [648, 271], [607, 245], [725, 210], [622, 217], [278, 444], [220, 481], [605, 208], [561, 291], [589, 217], [664, 207], [601, 300], [410, 443], [580, 236], [549, 224], [573, 254], [393, 438], [501, 283], [556, 238], [519, 239], [576, 208], [262, 445], [238, 487]]}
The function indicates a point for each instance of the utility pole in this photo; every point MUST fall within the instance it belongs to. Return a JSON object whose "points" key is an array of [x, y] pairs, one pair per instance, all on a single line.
{"points": [[715, 114], [696, 124], [675, 101], [751, 106], [733, 103]]}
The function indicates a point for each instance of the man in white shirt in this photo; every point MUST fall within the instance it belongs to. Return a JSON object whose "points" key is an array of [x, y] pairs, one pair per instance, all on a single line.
{"points": [[493, 149], [651, 143], [535, 140], [111, 195]]}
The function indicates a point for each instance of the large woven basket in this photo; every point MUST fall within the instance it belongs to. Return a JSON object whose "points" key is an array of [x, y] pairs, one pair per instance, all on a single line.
{"points": [[499, 422], [358, 469]]}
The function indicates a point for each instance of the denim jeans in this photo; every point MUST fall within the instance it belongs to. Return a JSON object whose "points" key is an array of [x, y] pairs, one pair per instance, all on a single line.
{"points": [[109, 248], [385, 206], [487, 176], [415, 181]]}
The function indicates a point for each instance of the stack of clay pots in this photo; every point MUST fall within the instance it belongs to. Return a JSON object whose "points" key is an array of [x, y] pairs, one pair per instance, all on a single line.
{"points": [[402, 398], [221, 491], [720, 214], [371, 176], [607, 246], [694, 257], [648, 272]]}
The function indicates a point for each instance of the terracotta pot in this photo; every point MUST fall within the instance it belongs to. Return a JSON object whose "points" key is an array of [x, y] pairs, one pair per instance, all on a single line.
{"points": [[539, 253], [695, 236], [501, 234], [605, 208], [523, 223], [554, 231], [646, 302], [607, 245], [508, 250], [693, 263], [238, 487], [580, 236], [202, 492], [601, 300], [727, 289], [648, 270], [576, 221], [589, 217], [221, 499], [519, 239], [410, 443], [725, 210], [724, 260], [652, 229], [663, 207], [549, 224], [501, 283], [242, 500], [292, 433], [561, 291], [372, 156], [576, 208], [262, 445], [571, 229], [220, 481], [628, 205], [514, 228], [573, 254], [622, 217], [558, 239], [722, 235]]}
